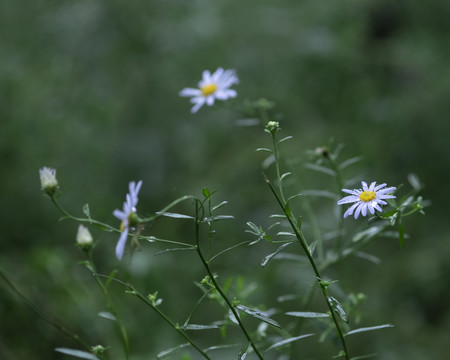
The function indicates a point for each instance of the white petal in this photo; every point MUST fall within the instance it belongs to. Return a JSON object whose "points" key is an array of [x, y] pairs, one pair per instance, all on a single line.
{"points": [[348, 199], [379, 187], [364, 209], [358, 210], [198, 104], [190, 92], [120, 247], [349, 191], [350, 210], [210, 100], [364, 186]]}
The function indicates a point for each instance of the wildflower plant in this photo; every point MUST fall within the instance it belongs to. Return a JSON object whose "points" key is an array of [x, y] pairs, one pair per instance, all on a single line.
{"points": [[293, 232]]}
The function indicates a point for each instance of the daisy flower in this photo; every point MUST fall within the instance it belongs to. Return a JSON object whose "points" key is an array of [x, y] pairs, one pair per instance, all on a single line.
{"points": [[212, 87], [368, 198], [129, 209]]}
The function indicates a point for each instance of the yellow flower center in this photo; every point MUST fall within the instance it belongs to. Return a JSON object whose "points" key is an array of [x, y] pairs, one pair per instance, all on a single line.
{"points": [[122, 226], [367, 196], [208, 89]]}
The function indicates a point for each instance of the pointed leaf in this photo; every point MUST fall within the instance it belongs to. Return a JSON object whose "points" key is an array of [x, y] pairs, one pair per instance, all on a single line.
{"points": [[243, 353], [307, 314], [285, 175], [86, 211], [200, 327], [337, 307], [371, 328], [107, 315], [264, 149], [284, 139], [77, 353], [287, 341], [171, 351], [175, 215], [174, 249], [320, 168], [258, 314], [269, 257], [219, 205]]}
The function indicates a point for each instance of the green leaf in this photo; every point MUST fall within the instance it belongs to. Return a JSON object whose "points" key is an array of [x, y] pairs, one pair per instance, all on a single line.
{"points": [[349, 162], [285, 175], [258, 314], [107, 315], [269, 257], [200, 327], [264, 149], [206, 192], [268, 161], [174, 249], [337, 307], [307, 314], [367, 234], [218, 217], [86, 211], [320, 168], [219, 205], [171, 351], [284, 139], [174, 215], [77, 353], [371, 328], [287, 341], [243, 353], [220, 347]]}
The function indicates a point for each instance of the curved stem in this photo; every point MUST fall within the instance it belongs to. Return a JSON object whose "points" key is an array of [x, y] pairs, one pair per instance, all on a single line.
{"points": [[216, 285]]}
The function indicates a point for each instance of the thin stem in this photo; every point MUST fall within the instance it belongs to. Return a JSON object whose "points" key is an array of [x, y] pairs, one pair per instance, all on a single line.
{"points": [[216, 285], [277, 166], [134, 292], [110, 305], [301, 239], [61, 328]]}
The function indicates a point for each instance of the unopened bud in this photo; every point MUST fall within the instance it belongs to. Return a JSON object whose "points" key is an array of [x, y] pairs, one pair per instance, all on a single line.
{"points": [[49, 184], [272, 126], [84, 237]]}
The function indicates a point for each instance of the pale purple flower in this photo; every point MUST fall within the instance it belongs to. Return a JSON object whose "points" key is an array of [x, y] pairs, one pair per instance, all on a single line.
{"points": [[368, 198], [212, 87], [129, 208]]}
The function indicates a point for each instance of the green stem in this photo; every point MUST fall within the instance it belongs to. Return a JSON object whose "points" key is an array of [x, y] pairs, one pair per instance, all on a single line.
{"points": [[61, 328], [217, 286], [277, 166], [110, 305], [134, 292], [301, 239]]}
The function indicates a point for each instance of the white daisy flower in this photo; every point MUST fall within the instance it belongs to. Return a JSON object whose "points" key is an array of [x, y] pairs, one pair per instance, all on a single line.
{"points": [[129, 209], [212, 87], [368, 198]]}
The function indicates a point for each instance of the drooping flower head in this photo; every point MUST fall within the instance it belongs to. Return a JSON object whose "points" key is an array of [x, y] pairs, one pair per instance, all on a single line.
{"points": [[368, 198], [125, 215], [212, 87]]}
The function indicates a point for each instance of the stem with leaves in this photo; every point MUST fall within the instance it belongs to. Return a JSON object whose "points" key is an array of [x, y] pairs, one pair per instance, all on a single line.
{"points": [[198, 221]]}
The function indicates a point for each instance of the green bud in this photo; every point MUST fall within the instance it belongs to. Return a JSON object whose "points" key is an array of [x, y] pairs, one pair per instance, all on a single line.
{"points": [[272, 127], [84, 237]]}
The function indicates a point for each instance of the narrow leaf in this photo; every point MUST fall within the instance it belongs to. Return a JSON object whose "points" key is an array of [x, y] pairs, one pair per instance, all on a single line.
{"points": [[220, 347], [218, 217], [200, 327], [284, 139], [287, 341], [264, 149], [337, 307], [285, 175], [349, 162], [320, 168], [175, 215], [268, 161], [107, 315], [77, 353], [258, 314], [243, 353], [371, 328], [174, 249], [307, 314], [86, 211], [219, 205], [269, 257], [171, 351]]}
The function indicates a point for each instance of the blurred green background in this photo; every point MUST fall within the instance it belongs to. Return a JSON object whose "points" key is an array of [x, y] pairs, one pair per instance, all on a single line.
{"points": [[91, 89]]}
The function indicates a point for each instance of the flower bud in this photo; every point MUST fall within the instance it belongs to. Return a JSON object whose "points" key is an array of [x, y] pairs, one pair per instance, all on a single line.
{"points": [[84, 237], [49, 184], [272, 126]]}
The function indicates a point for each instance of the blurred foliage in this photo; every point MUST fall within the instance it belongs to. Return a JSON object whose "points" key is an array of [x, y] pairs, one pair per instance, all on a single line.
{"points": [[91, 88]]}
